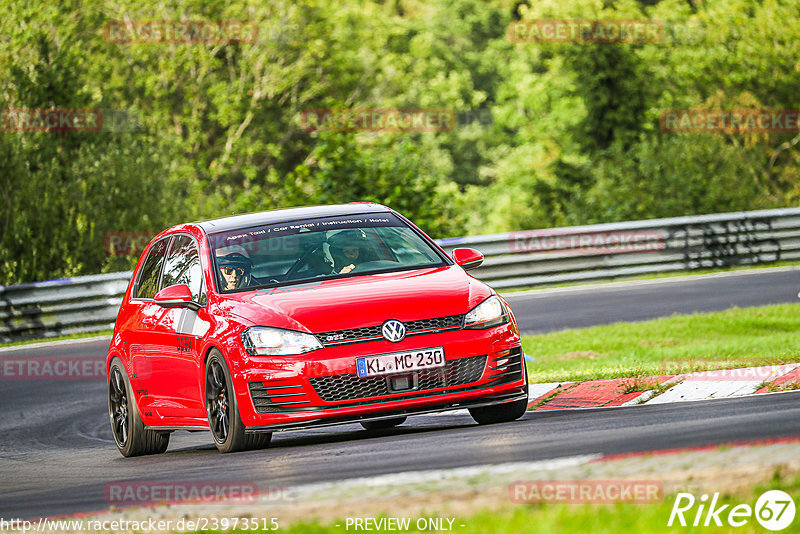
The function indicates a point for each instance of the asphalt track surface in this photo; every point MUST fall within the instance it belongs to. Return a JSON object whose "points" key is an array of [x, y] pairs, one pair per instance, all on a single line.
{"points": [[57, 454], [581, 306]]}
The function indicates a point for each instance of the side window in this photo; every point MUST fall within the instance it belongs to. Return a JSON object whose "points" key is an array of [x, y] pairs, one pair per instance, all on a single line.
{"points": [[183, 267], [147, 285]]}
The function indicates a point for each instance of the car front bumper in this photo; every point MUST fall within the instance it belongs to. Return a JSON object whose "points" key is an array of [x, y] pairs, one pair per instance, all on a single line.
{"points": [[321, 388], [512, 396]]}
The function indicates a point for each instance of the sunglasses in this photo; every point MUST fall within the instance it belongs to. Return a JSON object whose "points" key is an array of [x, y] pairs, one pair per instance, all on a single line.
{"points": [[227, 271]]}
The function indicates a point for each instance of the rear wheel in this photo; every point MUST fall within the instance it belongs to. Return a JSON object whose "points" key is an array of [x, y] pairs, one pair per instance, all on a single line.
{"points": [[130, 435], [384, 423], [223, 412]]}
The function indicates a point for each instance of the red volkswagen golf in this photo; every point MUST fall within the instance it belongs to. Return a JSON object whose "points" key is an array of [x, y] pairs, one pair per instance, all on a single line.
{"points": [[302, 318]]}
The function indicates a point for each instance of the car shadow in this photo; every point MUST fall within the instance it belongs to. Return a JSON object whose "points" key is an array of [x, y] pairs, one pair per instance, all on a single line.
{"points": [[340, 434]]}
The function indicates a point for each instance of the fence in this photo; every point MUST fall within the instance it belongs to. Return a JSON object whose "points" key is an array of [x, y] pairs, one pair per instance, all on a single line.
{"points": [[516, 259], [618, 250]]}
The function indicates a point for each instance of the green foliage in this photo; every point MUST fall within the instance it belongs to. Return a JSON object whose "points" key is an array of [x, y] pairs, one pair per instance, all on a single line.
{"points": [[385, 171], [547, 133], [584, 141], [664, 175]]}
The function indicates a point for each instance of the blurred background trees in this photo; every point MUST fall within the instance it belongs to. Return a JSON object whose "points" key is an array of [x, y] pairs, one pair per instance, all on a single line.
{"points": [[547, 134]]}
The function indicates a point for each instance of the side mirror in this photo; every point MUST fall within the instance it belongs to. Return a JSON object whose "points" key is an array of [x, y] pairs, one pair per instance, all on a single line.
{"points": [[177, 296], [467, 258]]}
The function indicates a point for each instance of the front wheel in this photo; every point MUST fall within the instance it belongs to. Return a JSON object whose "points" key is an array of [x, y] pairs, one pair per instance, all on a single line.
{"points": [[503, 413], [223, 412], [130, 435], [499, 413]]}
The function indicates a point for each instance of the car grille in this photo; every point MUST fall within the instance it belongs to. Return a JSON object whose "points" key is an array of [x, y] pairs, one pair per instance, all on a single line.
{"points": [[279, 396], [344, 387], [370, 333], [505, 367]]}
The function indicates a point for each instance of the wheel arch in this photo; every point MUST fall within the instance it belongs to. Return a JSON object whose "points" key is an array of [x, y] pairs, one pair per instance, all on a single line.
{"points": [[207, 352], [114, 353], [206, 355]]}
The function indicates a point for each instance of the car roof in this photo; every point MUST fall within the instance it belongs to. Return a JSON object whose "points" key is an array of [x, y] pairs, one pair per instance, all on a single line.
{"points": [[247, 220]]}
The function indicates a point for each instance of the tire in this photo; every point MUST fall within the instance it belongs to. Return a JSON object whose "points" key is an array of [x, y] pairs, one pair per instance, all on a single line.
{"points": [[499, 413], [222, 411], [130, 435], [502, 413], [383, 424]]}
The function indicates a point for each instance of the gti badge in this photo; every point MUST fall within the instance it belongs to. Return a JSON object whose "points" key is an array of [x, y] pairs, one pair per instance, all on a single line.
{"points": [[393, 330]]}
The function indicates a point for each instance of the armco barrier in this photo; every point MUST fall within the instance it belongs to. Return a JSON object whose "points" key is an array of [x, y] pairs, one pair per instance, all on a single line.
{"points": [[515, 259], [617, 250], [59, 307]]}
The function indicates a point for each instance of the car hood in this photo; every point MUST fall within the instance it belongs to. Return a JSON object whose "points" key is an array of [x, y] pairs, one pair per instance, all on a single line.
{"points": [[362, 300]]}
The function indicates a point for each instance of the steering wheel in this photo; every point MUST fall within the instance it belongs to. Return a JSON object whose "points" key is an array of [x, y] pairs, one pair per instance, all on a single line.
{"points": [[302, 261]]}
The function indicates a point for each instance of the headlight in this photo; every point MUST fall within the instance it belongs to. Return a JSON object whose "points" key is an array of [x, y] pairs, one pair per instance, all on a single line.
{"points": [[491, 312], [265, 341]]}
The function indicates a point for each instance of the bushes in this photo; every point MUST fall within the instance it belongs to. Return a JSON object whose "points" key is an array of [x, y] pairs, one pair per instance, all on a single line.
{"points": [[547, 134]]}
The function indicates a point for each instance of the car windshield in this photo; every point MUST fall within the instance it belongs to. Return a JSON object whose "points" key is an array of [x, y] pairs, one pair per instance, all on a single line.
{"points": [[317, 249]]}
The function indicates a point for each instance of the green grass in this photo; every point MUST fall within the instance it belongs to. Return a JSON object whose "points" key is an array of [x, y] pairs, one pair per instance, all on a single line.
{"points": [[788, 386], [581, 519], [678, 344]]}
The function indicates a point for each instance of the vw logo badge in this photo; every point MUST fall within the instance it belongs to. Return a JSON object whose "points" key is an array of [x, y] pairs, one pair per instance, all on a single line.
{"points": [[393, 330]]}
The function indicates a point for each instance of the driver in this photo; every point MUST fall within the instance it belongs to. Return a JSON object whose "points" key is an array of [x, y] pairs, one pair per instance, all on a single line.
{"points": [[348, 249], [235, 269]]}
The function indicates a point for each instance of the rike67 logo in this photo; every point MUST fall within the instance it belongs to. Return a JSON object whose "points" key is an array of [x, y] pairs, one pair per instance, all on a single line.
{"points": [[774, 510]]}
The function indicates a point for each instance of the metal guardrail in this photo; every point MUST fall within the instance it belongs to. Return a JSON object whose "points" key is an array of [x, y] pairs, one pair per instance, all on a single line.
{"points": [[61, 307], [515, 259], [627, 249]]}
